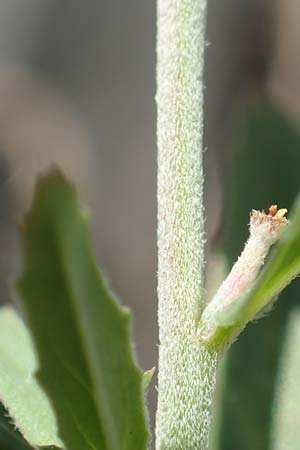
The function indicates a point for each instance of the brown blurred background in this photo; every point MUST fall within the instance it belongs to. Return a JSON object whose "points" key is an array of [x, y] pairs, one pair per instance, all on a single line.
{"points": [[77, 85]]}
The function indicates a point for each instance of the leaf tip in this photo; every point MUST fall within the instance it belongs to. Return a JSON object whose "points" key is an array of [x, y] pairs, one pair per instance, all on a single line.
{"points": [[147, 377]]}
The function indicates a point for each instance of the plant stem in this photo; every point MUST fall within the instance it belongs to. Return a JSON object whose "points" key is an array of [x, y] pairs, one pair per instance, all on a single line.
{"points": [[187, 368]]}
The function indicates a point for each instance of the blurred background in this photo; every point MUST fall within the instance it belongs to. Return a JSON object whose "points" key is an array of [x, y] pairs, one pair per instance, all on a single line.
{"points": [[77, 86]]}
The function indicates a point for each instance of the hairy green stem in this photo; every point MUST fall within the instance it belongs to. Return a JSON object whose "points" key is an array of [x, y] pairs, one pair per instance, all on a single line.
{"points": [[187, 368]]}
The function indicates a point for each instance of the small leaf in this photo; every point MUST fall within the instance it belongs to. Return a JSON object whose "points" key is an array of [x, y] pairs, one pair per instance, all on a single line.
{"points": [[26, 402], [81, 333], [147, 377]]}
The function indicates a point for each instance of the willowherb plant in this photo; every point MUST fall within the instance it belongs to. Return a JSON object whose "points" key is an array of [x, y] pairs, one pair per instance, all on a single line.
{"points": [[72, 381]]}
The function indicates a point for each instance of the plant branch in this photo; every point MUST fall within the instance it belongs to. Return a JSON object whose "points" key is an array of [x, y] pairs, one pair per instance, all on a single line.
{"points": [[186, 367]]}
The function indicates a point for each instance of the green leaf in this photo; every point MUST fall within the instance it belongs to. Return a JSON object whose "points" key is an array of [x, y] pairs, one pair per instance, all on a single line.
{"points": [[285, 408], [147, 377], [81, 333], [10, 438], [267, 161], [20, 393]]}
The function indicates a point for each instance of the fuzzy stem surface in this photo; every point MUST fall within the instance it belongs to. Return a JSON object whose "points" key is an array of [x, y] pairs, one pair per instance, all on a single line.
{"points": [[187, 369]]}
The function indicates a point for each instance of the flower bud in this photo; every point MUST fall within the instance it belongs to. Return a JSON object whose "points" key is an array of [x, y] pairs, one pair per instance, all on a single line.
{"points": [[265, 229]]}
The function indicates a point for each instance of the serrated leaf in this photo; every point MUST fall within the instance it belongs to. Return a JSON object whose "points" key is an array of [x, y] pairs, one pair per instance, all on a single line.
{"points": [[81, 333], [20, 393]]}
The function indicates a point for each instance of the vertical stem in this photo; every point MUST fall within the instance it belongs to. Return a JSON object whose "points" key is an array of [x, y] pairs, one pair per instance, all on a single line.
{"points": [[186, 367]]}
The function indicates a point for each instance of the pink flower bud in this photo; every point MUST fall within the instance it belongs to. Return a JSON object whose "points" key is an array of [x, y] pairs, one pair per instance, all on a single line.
{"points": [[264, 232]]}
